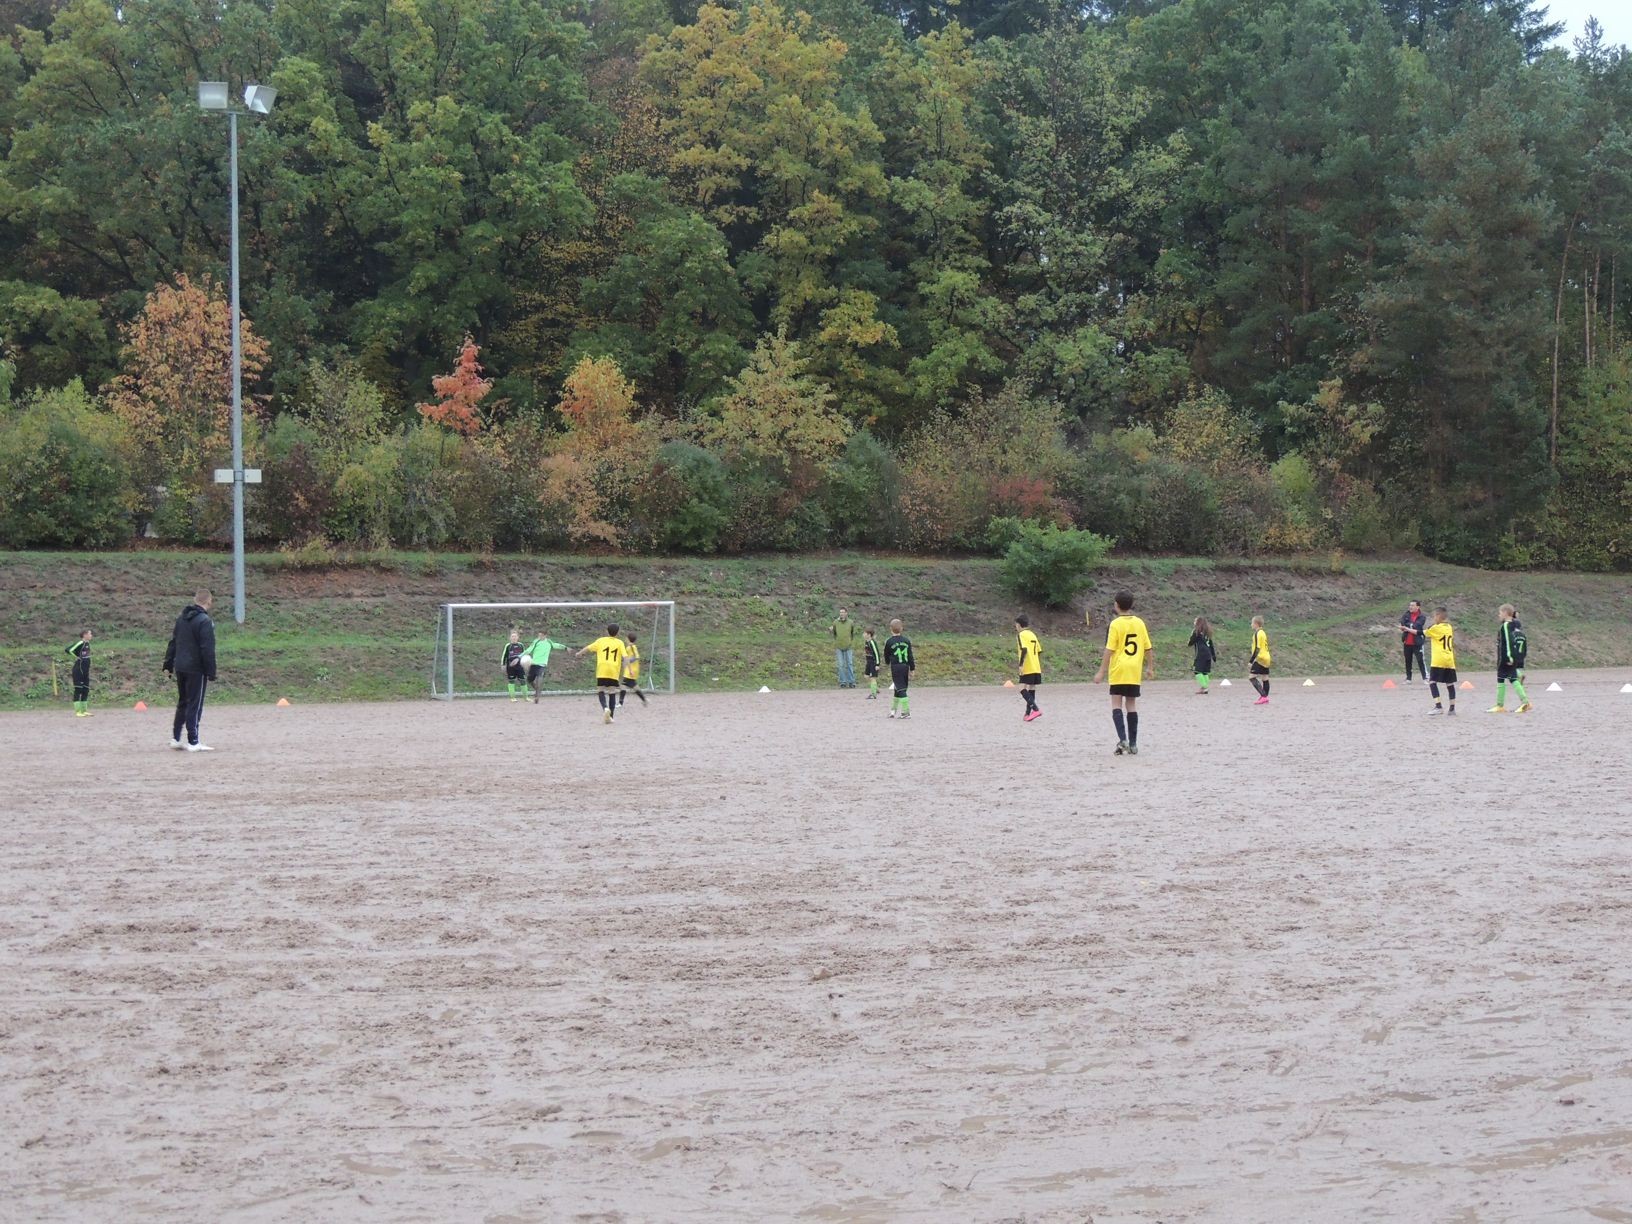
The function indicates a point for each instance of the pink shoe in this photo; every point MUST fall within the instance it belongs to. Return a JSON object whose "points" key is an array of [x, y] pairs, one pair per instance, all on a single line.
{"points": [[1261, 701], [1033, 715]]}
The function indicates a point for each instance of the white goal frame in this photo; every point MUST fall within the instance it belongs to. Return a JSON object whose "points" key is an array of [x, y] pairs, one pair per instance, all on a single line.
{"points": [[443, 687]]}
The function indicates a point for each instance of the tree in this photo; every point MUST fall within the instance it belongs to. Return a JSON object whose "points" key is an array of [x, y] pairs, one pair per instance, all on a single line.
{"points": [[174, 386], [459, 394], [778, 415]]}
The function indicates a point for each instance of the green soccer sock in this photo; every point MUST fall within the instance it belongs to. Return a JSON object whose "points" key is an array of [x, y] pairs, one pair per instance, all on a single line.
{"points": [[76, 707], [1518, 687], [904, 701], [510, 685], [872, 686], [1204, 681], [1501, 693]]}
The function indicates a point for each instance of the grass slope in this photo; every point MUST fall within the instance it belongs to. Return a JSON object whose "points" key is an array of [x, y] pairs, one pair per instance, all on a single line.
{"points": [[365, 631]]}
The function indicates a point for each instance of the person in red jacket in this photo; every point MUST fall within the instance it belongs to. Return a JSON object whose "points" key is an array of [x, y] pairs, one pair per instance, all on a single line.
{"points": [[1412, 626]]}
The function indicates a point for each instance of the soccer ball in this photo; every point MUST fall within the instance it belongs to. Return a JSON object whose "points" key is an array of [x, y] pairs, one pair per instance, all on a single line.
{"points": [[526, 660]]}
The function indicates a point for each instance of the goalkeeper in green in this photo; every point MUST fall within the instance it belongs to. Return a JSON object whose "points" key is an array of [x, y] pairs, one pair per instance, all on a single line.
{"points": [[539, 658]]}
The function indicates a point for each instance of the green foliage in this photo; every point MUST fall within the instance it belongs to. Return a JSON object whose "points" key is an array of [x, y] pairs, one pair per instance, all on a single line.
{"points": [[1050, 564], [699, 499], [64, 482]]}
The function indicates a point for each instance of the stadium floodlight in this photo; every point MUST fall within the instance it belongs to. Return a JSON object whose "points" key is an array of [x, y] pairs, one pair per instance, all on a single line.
{"points": [[213, 96], [470, 641]]}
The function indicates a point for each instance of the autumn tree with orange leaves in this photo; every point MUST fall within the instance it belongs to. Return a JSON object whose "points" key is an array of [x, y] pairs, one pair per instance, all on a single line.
{"points": [[174, 387], [459, 394]]}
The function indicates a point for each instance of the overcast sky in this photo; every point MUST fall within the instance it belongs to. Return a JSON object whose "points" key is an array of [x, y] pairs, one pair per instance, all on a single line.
{"points": [[1611, 15]]}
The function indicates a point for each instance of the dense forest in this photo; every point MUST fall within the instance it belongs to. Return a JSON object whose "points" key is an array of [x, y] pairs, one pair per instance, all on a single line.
{"points": [[1203, 276]]}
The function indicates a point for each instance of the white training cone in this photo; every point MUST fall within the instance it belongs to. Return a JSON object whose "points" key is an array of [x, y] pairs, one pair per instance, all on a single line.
{"points": [[1224, 683], [1555, 687], [1626, 688], [1308, 684], [764, 688]]}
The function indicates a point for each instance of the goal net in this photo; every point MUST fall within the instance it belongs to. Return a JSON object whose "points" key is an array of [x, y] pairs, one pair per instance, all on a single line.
{"points": [[471, 640]]}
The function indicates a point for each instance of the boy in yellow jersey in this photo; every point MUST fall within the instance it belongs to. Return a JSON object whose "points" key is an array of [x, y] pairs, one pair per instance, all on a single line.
{"points": [[1258, 663], [1031, 665], [631, 670], [1441, 660], [1128, 655], [608, 651]]}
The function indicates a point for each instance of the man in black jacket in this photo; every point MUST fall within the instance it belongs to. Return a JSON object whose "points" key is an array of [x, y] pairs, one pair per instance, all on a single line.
{"points": [[1412, 624], [190, 657]]}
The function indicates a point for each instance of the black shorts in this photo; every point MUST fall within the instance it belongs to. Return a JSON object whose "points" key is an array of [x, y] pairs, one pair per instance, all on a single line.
{"points": [[514, 672], [1031, 679], [1506, 672], [1124, 690], [871, 669], [1257, 669], [608, 684], [1442, 675], [628, 683], [899, 676]]}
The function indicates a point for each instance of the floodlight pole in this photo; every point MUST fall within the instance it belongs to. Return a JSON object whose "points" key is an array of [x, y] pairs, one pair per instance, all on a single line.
{"points": [[237, 396]]}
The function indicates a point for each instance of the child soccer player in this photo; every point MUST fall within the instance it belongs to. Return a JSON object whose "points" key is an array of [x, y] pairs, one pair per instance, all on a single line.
{"points": [[1031, 665], [515, 673], [538, 655], [80, 652], [1201, 641], [631, 670], [898, 650], [1441, 660], [608, 652], [1128, 655], [1511, 648], [1258, 664], [872, 657]]}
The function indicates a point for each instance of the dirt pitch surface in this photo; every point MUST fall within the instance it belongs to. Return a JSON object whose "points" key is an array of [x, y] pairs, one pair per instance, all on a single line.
{"points": [[760, 957]]}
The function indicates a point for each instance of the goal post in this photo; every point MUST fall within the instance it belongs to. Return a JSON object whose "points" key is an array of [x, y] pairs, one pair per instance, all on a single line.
{"points": [[471, 639]]}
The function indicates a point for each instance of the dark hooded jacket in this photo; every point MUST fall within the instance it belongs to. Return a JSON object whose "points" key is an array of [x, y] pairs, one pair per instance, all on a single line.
{"points": [[192, 644]]}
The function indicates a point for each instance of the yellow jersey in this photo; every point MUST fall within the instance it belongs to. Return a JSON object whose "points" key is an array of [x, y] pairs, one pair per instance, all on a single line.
{"points": [[1444, 639], [1031, 654], [631, 661], [608, 653], [1260, 649], [1128, 641]]}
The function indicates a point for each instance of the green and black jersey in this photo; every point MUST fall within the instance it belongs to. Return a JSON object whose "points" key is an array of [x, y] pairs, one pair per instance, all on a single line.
{"points": [[80, 651], [898, 652]]}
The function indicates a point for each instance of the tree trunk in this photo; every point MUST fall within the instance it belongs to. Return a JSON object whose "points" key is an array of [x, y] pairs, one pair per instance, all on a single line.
{"points": [[1558, 332]]}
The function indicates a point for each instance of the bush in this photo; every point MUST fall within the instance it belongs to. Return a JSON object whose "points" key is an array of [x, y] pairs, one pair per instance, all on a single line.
{"points": [[698, 499], [1050, 563], [64, 481], [863, 494]]}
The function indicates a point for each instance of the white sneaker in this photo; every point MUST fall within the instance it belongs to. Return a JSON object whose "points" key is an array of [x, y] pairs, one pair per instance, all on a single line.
{"points": [[1435, 710], [199, 748], [176, 743]]}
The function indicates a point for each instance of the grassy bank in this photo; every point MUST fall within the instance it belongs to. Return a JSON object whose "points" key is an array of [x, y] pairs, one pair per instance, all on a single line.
{"points": [[365, 631]]}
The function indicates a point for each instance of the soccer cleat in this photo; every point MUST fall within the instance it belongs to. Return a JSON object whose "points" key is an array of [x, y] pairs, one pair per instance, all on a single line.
{"points": [[1033, 715], [1450, 712], [1501, 709], [199, 748], [1525, 708], [1261, 701], [1435, 710], [1121, 748], [1133, 749], [892, 713], [906, 713]]}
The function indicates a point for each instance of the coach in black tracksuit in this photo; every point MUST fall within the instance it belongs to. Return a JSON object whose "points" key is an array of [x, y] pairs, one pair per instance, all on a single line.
{"points": [[190, 657]]}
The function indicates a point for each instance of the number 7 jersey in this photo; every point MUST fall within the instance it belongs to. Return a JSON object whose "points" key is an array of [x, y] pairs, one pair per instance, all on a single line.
{"points": [[1128, 641]]}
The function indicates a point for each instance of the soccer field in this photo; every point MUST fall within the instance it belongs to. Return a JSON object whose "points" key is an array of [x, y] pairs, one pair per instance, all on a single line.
{"points": [[760, 957]]}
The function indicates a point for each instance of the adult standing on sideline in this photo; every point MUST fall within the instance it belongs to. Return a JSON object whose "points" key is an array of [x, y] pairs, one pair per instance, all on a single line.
{"points": [[190, 658], [1412, 625], [844, 640]]}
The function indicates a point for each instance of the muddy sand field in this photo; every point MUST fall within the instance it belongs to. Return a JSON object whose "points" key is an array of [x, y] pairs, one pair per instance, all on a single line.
{"points": [[765, 957]]}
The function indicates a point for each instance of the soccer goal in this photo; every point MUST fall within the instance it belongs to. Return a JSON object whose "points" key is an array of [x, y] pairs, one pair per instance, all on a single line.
{"points": [[471, 639]]}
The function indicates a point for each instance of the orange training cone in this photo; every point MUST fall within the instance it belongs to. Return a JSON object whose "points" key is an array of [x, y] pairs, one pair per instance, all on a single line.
{"points": [[1008, 684], [1467, 684], [1390, 684], [141, 705], [283, 703]]}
